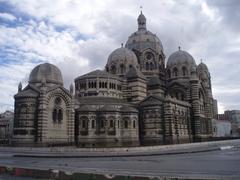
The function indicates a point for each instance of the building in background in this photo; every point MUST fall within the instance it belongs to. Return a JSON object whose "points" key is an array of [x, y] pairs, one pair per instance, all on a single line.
{"points": [[6, 127], [234, 117], [221, 128], [138, 99]]}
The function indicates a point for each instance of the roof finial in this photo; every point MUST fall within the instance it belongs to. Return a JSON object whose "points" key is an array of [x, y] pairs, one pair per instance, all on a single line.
{"points": [[19, 87], [201, 60], [179, 48], [121, 44], [141, 21], [71, 88], [141, 9]]}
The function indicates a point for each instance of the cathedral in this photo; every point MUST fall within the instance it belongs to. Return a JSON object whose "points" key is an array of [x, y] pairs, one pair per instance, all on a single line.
{"points": [[136, 100]]}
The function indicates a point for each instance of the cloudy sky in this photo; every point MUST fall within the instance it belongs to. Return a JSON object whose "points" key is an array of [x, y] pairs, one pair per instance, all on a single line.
{"points": [[78, 36]]}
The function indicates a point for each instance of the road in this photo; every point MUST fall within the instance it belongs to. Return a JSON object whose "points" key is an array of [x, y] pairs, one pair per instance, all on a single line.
{"points": [[220, 164]]}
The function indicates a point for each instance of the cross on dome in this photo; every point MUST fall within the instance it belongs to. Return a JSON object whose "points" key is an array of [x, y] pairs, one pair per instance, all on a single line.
{"points": [[141, 21]]}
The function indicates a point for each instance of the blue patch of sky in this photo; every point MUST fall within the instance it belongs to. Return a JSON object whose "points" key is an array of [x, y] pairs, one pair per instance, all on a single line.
{"points": [[22, 18], [77, 35], [10, 56], [84, 37], [6, 7]]}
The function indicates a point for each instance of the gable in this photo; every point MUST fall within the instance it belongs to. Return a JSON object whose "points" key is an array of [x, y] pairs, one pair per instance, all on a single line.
{"points": [[152, 101], [28, 91]]}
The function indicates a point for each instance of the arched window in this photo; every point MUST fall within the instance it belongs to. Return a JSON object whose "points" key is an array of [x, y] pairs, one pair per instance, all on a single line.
{"points": [[184, 71], [182, 97], [57, 113], [93, 124], [111, 124], [147, 66], [122, 69], [54, 115], [126, 124], [113, 69], [175, 72], [60, 115], [151, 66], [101, 123], [134, 124], [84, 123], [169, 73]]}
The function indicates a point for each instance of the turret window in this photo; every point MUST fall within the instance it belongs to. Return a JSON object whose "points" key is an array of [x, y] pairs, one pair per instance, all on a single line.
{"points": [[184, 71], [175, 72], [122, 69], [113, 69]]}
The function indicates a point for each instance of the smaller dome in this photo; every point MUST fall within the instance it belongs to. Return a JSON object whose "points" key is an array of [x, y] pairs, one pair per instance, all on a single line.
{"points": [[122, 55], [202, 71], [202, 66], [120, 60], [46, 73], [179, 58]]}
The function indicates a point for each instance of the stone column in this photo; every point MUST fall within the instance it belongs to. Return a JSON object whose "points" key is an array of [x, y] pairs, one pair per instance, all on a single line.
{"points": [[42, 115]]}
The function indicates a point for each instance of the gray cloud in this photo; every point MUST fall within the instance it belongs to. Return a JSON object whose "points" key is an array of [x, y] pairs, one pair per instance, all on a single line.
{"points": [[229, 10], [206, 29]]}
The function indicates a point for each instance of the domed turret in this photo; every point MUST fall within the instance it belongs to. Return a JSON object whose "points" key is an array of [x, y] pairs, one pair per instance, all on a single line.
{"points": [[204, 75], [202, 67], [180, 64], [120, 61], [141, 22], [148, 49], [46, 72]]}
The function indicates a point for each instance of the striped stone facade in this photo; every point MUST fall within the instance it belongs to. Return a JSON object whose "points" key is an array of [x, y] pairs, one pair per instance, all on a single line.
{"points": [[138, 99]]}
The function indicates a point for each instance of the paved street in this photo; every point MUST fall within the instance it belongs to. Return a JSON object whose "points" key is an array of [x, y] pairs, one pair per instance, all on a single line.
{"points": [[223, 164]]}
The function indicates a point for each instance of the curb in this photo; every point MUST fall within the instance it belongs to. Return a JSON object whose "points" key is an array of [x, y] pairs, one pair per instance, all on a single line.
{"points": [[117, 155], [69, 175]]}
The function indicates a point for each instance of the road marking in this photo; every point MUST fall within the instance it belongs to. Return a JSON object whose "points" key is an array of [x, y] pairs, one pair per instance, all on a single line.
{"points": [[226, 147]]}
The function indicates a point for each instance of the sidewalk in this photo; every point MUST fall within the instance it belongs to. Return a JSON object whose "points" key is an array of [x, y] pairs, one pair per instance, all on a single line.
{"points": [[73, 152]]}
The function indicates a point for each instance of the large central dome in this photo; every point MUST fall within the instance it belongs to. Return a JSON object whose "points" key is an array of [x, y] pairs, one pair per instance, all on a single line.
{"points": [[143, 39], [46, 72]]}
